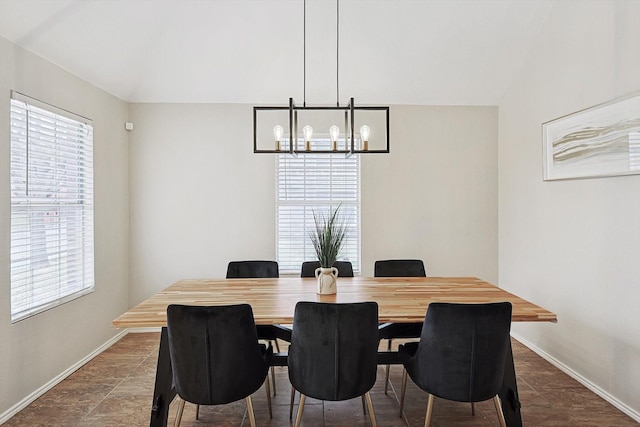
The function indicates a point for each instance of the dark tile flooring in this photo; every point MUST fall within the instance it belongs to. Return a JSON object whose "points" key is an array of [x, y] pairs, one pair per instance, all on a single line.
{"points": [[116, 387]]}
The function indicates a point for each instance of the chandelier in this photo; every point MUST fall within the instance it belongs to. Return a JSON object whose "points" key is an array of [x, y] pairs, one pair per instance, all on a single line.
{"points": [[346, 129]]}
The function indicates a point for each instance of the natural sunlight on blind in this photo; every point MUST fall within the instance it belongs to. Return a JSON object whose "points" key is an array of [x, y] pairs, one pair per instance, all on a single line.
{"points": [[51, 206], [315, 182]]}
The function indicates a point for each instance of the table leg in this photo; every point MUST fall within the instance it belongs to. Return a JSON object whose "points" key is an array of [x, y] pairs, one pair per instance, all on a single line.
{"points": [[163, 392], [509, 393]]}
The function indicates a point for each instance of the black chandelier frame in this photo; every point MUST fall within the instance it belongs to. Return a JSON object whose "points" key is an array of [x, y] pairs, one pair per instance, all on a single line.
{"points": [[349, 120]]}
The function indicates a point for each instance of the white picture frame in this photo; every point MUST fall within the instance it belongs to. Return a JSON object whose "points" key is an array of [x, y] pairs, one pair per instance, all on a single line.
{"points": [[600, 141]]}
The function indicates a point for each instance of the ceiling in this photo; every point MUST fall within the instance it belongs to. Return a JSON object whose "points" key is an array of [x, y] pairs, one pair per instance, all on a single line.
{"points": [[429, 52]]}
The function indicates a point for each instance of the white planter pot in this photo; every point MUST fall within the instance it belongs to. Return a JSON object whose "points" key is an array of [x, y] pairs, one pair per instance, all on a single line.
{"points": [[327, 278]]}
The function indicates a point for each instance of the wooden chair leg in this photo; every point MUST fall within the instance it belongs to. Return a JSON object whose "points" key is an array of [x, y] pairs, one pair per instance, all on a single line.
{"points": [[300, 409], [273, 371], [473, 408], [372, 415], [179, 414], [386, 377], [268, 390], [498, 404], [293, 398], [404, 388], [427, 418], [197, 412], [273, 377], [364, 411], [252, 416]]}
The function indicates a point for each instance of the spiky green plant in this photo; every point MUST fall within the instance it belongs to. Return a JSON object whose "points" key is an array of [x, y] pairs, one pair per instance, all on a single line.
{"points": [[328, 236]]}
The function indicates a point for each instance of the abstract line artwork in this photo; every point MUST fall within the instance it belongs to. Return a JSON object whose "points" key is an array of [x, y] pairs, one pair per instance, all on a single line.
{"points": [[600, 141]]}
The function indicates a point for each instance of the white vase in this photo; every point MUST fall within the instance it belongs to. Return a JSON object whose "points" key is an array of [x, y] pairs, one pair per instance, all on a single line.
{"points": [[327, 280]]}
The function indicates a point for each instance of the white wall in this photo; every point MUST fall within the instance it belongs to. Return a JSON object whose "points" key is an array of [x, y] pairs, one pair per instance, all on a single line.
{"points": [[574, 246], [36, 350], [434, 196], [200, 197]]}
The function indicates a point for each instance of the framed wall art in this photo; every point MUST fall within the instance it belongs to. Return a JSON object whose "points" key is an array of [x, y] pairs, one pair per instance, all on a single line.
{"points": [[600, 141]]}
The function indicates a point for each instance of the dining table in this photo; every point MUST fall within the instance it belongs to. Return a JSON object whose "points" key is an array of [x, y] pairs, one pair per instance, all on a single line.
{"points": [[273, 300]]}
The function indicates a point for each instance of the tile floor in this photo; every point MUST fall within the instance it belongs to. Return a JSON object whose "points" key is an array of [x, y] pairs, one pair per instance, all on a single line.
{"points": [[116, 387]]}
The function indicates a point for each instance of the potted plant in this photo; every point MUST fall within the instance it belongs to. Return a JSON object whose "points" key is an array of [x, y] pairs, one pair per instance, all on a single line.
{"points": [[327, 239]]}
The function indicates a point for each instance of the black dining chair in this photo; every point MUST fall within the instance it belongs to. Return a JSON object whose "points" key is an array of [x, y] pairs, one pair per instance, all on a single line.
{"points": [[252, 269], [461, 354], [257, 270], [389, 331], [215, 355], [399, 268], [345, 268], [333, 352]]}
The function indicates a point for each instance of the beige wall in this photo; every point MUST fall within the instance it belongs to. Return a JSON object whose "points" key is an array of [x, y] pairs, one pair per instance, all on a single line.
{"points": [[574, 246], [200, 197], [36, 350], [435, 195]]}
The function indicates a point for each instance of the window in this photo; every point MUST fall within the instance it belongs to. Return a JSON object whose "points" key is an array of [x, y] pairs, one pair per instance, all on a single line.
{"points": [[51, 206], [315, 182]]}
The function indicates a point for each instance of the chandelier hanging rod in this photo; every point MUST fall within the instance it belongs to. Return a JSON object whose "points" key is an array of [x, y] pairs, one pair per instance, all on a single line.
{"points": [[337, 53], [341, 142], [304, 53]]}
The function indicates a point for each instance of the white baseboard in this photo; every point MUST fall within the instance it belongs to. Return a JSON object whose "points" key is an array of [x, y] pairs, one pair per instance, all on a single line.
{"points": [[4, 417], [582, 380]]}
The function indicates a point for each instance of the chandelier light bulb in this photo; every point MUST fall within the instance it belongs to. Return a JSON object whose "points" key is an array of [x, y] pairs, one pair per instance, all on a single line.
{"points": [[308, 133], [278, 131], [334, 131], [365, 131]]}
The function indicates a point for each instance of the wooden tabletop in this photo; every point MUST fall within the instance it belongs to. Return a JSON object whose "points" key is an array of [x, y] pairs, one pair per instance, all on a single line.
{"points": [[273, 300]]}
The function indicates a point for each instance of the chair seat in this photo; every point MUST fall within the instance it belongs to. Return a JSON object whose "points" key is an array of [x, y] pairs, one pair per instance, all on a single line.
{"points": [[399, 330], [274, 332], [407, 351]]}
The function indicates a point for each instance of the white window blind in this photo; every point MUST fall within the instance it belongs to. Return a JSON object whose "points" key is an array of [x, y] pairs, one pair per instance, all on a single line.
{"points": [[51, 206], [315, 182]]}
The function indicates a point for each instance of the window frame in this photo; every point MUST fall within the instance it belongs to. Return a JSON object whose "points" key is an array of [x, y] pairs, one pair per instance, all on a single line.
{"points": [[350, 202], [52, 231]]}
